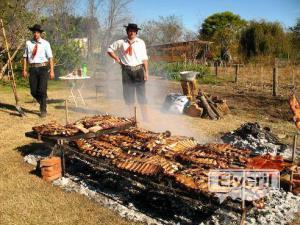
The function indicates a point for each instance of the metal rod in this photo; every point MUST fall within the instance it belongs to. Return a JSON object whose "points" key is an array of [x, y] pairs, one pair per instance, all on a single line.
{"points": [[243, 216], [67, 112], [294, 148], [243, 205], [291, 180], [63, 163], [135, 116]]}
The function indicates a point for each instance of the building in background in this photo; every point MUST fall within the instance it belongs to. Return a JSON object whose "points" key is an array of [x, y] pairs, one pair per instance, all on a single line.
{"points": [[196, 50]]}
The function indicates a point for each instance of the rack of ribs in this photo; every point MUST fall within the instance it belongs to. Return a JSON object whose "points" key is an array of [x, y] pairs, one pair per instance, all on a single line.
{"points": [[144, 168], [100, 149]]}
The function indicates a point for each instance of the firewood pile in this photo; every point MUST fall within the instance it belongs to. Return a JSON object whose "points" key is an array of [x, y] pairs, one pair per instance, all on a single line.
{"points": [[202, 104], [207, 106], [85, 125]]}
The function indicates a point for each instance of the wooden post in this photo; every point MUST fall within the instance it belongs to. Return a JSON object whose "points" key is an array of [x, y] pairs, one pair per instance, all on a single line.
{"points": [[236, 73], [67, 112], [216, 69], [261, 77], [275, 81], [294, 148], [13, 82]]}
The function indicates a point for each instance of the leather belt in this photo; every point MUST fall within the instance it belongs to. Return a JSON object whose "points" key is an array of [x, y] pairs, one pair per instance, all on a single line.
{"points": [[133, 68], [35, 65]]}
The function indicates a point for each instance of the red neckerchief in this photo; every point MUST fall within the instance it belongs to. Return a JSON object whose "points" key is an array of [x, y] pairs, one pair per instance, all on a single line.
{"points": [[129, 49], [34, 51]]}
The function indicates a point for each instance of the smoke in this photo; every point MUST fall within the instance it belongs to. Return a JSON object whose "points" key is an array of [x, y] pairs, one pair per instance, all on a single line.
{"points": [[109, 79]]}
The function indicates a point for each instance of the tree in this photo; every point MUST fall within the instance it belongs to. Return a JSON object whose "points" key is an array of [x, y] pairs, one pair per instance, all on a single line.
{"points": [[16, 18], [295, 39], [222, 28], [117, 16], [164, 30], [261, 38]]}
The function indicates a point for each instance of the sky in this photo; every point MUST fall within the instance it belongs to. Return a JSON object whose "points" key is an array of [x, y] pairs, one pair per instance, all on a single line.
{"points": [[193, 12]]}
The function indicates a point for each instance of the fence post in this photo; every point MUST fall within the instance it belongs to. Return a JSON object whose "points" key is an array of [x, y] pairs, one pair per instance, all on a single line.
{"points": [[216, 69], [236, 73], [275, 81]]}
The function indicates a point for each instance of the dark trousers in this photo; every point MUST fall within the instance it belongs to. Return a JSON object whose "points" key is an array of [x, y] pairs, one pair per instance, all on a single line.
{"points": [[133, 82], [38, 80]]}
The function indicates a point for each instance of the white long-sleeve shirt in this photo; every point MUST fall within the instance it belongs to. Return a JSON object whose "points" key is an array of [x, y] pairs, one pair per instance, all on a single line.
{"points": [[139, 52]]}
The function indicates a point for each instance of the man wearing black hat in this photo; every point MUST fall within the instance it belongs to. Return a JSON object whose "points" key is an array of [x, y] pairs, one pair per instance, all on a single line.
{"points": [[134, 63], [37, 54]]}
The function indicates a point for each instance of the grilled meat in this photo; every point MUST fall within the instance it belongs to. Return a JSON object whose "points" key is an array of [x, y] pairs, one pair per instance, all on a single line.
{"points": [[100, 149], [55, 129], [104, 121], [144, 168], [295, 107], [85, 125]]}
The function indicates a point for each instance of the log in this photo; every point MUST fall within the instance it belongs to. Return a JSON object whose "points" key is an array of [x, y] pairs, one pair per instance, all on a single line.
{"points": [[194, 110], [207, 107], [211, 103]]}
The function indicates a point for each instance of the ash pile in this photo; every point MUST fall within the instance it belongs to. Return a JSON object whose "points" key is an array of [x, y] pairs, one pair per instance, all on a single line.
{"points": [[260, 140]]}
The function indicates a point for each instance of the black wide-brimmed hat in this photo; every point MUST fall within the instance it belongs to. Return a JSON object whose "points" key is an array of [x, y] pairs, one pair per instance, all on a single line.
{"points": [[132, 26], [36, 27]]}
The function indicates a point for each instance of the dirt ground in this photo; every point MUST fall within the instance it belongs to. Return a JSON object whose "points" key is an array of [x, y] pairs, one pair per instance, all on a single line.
{"points": [[26, 199]]}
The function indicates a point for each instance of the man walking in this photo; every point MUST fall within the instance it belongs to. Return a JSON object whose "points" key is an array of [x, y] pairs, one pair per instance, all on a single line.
{"points": [[132, 56], [38, 54]]}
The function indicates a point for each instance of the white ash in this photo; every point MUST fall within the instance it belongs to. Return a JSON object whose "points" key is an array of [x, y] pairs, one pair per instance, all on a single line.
{"points": [[131, 213], [278, 205], [280, 208], [36, 156], [255, 138]]}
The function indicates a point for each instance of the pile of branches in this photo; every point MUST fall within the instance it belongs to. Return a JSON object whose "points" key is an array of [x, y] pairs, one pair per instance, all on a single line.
{"points": [[207, 106]]}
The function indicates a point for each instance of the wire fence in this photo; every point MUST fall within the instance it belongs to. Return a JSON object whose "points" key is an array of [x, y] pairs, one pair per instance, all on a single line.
{"points": [[263, 78]]}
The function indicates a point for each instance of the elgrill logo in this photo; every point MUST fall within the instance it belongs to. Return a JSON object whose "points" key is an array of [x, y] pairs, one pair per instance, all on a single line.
{"points": [[243, 184]]}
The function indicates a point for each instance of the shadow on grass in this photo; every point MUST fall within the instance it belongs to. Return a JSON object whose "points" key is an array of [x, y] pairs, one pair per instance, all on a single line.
{"points": [[80, 110], [5, 107], [39, 149], [49, 101]]}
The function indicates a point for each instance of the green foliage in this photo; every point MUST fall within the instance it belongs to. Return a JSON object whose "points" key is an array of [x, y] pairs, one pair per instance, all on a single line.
{"points": [[220, 21], [222, 28], [295, 39], [171, 70], [67, 56], [264, 38]]}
